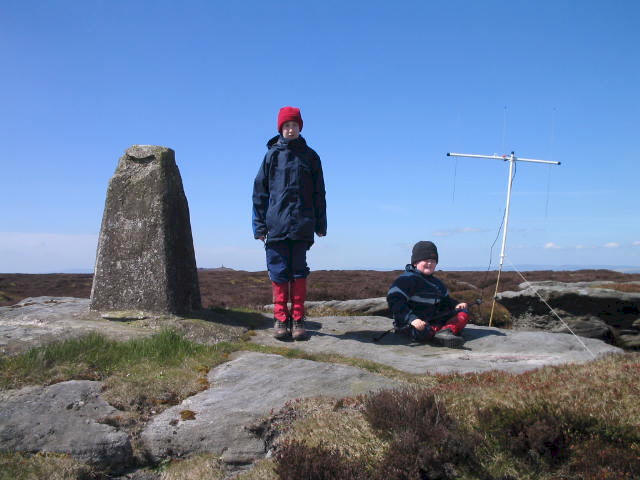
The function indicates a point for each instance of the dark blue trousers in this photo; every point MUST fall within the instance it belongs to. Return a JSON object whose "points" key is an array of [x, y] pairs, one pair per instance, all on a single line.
{"points": [[287, 260]]}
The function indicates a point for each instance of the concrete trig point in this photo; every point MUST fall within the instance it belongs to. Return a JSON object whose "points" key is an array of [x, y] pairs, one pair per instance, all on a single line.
{"points": [[512, 159], [145, 259]]}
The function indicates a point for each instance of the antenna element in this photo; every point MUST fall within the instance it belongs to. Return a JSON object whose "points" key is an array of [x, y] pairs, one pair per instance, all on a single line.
{"points": [[511, 159]]}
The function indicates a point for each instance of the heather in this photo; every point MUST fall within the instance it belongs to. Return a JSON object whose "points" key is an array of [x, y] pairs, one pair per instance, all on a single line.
{"points": [[570, 422]]}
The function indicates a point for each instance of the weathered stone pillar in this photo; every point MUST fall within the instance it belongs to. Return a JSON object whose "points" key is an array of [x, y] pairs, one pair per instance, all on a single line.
{"points": [[145, 259]]}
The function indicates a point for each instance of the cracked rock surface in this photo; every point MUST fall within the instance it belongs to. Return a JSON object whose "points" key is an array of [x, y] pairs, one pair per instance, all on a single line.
{"points": [[243, 391]]}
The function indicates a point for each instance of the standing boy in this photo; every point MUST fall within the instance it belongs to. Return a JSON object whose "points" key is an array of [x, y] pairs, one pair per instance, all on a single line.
{"points": [[417, 300], [288, 208]]}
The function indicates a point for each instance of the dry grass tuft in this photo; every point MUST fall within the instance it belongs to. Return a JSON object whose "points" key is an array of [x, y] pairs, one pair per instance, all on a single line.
{"points": [[201, 467], [338, 426], [147, 387], [50, 466], [299, 461], [261, 470]]}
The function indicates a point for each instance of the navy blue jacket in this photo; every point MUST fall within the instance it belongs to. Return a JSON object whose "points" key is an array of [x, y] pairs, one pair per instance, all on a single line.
{"points": [[415, 295], [288, 193]]}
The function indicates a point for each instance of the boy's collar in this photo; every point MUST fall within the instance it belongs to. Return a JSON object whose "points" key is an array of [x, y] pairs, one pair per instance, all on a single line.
{"points": [[280, 140], [290, 140], [412, 268]]}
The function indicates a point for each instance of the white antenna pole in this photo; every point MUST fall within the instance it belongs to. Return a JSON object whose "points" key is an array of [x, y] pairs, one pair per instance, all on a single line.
{"points": [[511, 159], [506, 212]]}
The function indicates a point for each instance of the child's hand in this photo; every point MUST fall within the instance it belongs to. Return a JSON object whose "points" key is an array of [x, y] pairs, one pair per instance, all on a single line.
{"points": [[460, 306], [321, 234], [262, 238], [419, 324]]}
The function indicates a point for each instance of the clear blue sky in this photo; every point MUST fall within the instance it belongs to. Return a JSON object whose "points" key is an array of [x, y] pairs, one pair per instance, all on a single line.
{"points": [[386, 89]]}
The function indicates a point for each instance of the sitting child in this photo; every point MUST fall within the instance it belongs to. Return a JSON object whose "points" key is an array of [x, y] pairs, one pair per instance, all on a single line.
{"points": [[418, 301]]}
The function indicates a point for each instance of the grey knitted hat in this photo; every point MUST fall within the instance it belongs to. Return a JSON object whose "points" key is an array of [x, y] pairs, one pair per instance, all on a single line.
{"points": [[424, 250]]}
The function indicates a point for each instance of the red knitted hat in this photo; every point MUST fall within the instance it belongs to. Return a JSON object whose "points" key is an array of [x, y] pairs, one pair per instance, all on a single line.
{"points": [[289, 114]]}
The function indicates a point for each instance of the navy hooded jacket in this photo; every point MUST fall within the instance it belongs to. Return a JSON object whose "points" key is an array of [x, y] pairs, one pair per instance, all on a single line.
{"points": [[415, 295], [288, 193]]}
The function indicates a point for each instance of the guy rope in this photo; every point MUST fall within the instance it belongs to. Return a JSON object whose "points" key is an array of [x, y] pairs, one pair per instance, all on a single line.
{"points": [[512, 159]]}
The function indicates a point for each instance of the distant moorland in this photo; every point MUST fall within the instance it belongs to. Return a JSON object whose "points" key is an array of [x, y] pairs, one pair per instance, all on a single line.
{"points": [[229, 288]]}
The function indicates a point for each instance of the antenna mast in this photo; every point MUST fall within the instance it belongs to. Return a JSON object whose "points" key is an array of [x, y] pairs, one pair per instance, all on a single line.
{"points": [[512, 159]]}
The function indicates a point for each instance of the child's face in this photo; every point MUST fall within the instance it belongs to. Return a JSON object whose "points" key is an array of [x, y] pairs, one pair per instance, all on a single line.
{"points": [[290, 130], [427, 266]]}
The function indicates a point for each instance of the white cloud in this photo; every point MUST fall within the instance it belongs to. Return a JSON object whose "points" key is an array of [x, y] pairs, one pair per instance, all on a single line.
{"points": [[636, 243], [550, 245], [611, 245]]}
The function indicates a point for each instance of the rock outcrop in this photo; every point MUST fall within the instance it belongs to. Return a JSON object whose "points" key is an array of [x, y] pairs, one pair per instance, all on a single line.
{"points": [[224, 419], [145, 258], [587, 308], [63, 418]]}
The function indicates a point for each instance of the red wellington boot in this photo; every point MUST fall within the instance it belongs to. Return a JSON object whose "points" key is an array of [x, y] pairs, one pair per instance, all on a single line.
{"points": [[457, 323], [280, 310], [298, 297], [449, 335]]}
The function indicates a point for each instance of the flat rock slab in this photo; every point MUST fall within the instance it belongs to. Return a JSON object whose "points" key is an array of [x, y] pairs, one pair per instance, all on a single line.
{"points": [[62, 418], [486, 348], [40, 320], [243, 391], [581, 298]]}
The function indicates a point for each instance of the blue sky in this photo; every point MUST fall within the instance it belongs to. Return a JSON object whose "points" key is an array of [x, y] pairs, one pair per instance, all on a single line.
{"points": [[385, 88]]}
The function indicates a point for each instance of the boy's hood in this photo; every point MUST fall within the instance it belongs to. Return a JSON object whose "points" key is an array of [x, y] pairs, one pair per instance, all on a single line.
{"points": [[282, 142]]}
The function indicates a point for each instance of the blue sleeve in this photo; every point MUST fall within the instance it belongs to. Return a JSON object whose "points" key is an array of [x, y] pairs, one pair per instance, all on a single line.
{"points": [[319, 199], [398, 300], [260, 200]]}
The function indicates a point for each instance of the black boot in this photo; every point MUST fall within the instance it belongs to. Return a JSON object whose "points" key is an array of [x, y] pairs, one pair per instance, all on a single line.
{"points": [[281, 329], [446, 338], [298, 331]]}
